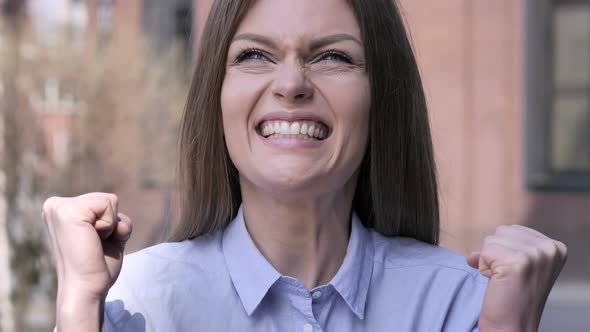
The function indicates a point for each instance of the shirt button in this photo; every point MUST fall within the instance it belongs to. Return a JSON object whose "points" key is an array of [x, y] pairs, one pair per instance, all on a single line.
{"points": [[307, 328], [316, 295]]}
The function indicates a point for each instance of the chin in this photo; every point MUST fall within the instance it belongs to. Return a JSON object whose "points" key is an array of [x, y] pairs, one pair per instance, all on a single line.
{"points": [[291, 181], [293, 176]]}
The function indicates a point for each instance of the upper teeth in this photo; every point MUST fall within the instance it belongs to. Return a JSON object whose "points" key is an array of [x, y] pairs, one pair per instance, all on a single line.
{"points": [[306, 128]]}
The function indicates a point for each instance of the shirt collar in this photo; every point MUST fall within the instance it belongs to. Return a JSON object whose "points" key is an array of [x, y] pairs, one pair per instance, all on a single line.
{"points": [[353, 279], [252, 275]]}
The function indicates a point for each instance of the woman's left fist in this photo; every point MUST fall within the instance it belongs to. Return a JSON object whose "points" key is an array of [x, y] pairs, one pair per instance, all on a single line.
{"points": [[522, 265]]}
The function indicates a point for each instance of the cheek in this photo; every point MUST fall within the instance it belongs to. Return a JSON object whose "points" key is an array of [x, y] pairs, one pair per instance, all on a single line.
{"points": [[234, 117], [351, 103], [356, 130], [359, 111], [239, 95], [348, 95], [355, 109], [234, 98]]}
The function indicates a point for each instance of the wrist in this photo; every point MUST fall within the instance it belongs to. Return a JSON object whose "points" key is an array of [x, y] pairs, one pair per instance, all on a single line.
{"points": [[77, 311], [524, 325], [522, 318]]}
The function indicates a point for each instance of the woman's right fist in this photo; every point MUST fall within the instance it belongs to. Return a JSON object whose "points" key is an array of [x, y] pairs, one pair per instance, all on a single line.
{"points": [[87, 236]]}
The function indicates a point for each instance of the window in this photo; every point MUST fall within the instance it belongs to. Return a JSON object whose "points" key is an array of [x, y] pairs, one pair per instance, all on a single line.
{"points": [[558, 94]]}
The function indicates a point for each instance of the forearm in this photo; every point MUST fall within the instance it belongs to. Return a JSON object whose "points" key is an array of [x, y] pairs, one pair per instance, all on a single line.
{"points": [[525, 324], [79, 314]]}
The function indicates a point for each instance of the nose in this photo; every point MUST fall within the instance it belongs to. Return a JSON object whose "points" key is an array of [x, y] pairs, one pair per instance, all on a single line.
{"points": [[291, 85]]}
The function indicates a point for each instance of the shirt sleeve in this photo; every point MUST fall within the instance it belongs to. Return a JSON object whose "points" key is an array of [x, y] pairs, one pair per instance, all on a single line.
{"points": [[465, 309]]}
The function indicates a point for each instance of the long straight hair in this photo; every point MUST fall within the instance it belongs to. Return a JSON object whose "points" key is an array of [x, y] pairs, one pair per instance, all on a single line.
{"points": [[397, 189]]}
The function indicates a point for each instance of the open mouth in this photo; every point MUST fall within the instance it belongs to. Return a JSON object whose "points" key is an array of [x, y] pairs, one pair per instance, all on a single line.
{"points": [[307, 130]]}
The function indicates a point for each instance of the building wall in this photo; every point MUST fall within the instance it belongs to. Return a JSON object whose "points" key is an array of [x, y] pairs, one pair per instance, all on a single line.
{"points": [[471, 54]]}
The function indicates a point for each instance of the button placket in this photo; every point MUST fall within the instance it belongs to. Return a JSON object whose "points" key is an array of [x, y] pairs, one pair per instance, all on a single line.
{"points": [[301, 300], [316, 295]]}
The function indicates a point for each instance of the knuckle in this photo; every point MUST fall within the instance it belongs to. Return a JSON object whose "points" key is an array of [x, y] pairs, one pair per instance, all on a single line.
{"points": [[549, 247], [486, 254], [536, 254], [523, 259], [488, 240], [111, 199], [49, 204], [503, 229], [563, 248], [65, 211], [556, 250]]}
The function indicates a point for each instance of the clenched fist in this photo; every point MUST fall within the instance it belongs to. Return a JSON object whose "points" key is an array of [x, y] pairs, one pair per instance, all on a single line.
{"points": [[522, 265], [87, 236]]}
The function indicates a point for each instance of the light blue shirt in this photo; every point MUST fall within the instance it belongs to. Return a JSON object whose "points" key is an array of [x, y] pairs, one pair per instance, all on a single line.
{"points": [[221, 282]]}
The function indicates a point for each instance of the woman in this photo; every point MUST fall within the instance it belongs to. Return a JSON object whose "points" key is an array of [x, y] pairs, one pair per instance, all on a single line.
{"points": [[306, 125]]}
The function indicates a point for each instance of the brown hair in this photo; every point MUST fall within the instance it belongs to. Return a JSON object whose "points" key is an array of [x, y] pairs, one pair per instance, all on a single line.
{"points": [[397, 190]]}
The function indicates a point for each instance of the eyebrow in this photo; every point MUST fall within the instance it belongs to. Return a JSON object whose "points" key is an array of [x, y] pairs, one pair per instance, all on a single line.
{"points": [[314, 45], [331, 39]]}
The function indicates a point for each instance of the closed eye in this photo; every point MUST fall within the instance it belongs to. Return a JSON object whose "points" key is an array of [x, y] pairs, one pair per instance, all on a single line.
{"points": [[251, 54]]}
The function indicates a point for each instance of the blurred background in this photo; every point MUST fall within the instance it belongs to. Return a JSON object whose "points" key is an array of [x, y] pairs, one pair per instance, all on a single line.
{"points": [[91, 94]]}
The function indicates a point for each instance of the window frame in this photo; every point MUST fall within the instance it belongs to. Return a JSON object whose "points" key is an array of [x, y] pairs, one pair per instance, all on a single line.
{"points": [[539, 100]]}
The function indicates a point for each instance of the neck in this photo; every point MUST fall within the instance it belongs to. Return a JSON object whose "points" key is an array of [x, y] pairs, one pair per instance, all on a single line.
{"points": [[302, 237]]}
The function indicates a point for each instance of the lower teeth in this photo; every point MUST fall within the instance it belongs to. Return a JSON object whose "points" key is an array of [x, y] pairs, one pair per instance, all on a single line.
{"points": [[291, 136]]}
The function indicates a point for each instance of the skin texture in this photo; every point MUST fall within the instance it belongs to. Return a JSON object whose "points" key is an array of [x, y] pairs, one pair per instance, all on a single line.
{"points": [[296, 200]]}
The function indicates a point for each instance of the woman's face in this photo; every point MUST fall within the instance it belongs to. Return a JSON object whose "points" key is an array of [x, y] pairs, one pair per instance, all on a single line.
{"points": [[295, 99]]}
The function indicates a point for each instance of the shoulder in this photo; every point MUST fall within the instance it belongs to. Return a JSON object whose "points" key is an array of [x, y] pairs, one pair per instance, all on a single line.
{"points": [[420, 269], [158, 270], [408, 253], [201, 250], [163, 278], [427, 284]]}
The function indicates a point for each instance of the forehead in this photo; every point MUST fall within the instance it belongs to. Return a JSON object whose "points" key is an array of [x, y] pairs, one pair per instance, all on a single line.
{"points": [[300, 19]]}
